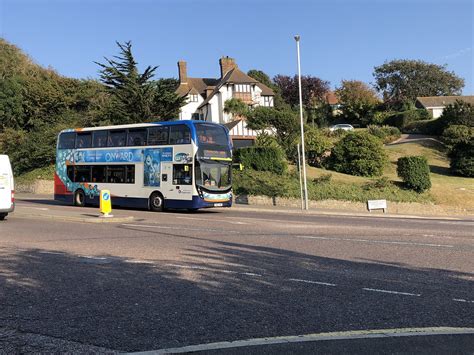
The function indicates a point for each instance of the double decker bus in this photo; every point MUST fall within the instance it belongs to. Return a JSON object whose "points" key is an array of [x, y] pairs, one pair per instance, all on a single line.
{"points": [[177, 165]]}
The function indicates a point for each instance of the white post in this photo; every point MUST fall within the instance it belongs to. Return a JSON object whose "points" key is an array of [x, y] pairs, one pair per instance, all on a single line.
{"points": [[297, 38], [299, 173]]}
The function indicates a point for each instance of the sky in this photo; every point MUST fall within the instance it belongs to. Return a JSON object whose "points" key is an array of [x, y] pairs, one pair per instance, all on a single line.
{"points": [[340, 40]]}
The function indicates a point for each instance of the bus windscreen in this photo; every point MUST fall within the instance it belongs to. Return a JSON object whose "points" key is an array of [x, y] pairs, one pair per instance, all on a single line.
{"points": [[211, 134]]}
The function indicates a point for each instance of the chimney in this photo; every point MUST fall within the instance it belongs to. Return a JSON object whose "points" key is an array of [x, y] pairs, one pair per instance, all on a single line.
{"points": [[227, 64], [183, 74]]}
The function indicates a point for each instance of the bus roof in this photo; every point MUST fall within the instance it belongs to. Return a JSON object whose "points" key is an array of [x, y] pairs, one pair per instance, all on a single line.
{"points": [[138, 125]]}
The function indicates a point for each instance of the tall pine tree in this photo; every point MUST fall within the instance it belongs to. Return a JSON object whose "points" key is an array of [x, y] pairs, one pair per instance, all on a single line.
{"points": [[135, 97]]}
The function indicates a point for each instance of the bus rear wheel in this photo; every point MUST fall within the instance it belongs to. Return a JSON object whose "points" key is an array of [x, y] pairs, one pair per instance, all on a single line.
{"points": [[156, 202], [79, 198]]}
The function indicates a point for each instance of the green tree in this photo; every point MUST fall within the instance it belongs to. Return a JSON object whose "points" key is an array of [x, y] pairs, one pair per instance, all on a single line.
{"points": [[236, 107], [166, 102], [278, 101], [11, 104], [358, 153], [459, 113], [132, 92], [357, 100], [404, 80]]}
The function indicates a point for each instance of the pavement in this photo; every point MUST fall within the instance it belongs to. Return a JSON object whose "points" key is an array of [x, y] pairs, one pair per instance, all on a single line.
{"points": [[178, 279]]}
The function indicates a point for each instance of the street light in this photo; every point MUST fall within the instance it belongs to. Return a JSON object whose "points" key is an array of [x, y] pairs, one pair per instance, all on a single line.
{"points": [[297, 39]]}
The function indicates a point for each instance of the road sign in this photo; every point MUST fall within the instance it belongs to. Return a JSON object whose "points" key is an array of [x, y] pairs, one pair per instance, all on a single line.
{"points": [[105, 203]]}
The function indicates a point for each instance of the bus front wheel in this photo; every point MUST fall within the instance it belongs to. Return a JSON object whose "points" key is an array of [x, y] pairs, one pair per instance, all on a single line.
{"points": [[156, 202], [79, 198]]}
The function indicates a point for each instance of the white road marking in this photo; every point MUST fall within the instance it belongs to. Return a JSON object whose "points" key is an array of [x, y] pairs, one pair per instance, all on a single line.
{"points": [[356, 240], [36, 208], [462, 300], [358, 334], [211, 269], [393, 292], [213, 220], [312, 282]]}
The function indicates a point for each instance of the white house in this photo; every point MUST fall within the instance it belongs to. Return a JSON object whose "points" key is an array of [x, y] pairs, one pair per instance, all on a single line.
{"points": [[206, 97], [436, 104]]}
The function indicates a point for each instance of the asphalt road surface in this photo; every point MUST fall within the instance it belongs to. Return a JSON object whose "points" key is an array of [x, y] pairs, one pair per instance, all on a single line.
{"points": [[169, 280]]}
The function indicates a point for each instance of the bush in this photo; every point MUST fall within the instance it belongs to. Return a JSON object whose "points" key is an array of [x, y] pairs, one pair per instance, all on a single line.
{"points": [[358, 153], [404, 118], [386, 133], [462, 158], [266, 140], [429, 127], [455, 134], [264, 183], [459, 113], [262, 159], [415, 172]]}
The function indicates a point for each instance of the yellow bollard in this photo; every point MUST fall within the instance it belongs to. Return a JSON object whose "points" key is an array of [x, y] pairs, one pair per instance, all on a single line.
{"points": [[105, 203]]}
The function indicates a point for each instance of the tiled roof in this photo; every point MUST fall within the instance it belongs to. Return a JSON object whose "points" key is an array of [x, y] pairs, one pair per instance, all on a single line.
{"points": [[266, 91], [441, 101], [331, 98]]}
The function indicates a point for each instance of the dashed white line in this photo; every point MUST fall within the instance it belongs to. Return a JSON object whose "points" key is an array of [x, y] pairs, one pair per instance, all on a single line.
{"points": [[356, 240], [392, 292], [313, 282], [214, 270], [462, 300]]}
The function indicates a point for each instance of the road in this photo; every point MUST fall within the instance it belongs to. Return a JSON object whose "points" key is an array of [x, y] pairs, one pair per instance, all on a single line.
{"points": [[169, 280]]}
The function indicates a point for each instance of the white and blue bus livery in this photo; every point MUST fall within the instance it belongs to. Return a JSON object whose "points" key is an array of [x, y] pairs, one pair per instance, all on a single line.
{"points": [[177, 165]]}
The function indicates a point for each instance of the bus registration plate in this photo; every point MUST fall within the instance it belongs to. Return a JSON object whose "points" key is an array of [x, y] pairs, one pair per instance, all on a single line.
{"points": [[218, 205]]}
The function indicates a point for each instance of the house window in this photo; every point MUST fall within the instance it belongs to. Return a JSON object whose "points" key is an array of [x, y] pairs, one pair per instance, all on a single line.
{"points": [[242, 88], [268, 101], [195, 116], [193, 98]]}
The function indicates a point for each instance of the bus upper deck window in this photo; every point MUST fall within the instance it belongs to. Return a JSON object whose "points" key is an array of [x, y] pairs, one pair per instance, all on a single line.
{"points": [[117, 138], [100, 139], [84, 140], [180, 134], [66, 140], [137, 137]]}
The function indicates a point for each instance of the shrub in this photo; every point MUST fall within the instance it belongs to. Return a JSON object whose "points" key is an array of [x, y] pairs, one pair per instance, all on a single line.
{"points": [[404, 118], [455, 134], [264, 183], [316, 146], [415, 172], [358, 153], [462, 158], [266, 140], [459, 113], [386, 133], [262, 159], [429, 127]]}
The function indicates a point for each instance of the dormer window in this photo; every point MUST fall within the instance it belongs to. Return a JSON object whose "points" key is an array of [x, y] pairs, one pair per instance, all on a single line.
{"points": [[193, 98], [242, 88]]}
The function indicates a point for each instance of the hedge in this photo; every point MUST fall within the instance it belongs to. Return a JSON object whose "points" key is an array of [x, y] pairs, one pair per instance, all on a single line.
{"points": [[415, 172], [262, 159], [386, 133]]}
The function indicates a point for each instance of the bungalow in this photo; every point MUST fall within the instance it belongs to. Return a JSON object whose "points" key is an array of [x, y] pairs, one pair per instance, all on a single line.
{"points": [[206, 97], [436, 104]]}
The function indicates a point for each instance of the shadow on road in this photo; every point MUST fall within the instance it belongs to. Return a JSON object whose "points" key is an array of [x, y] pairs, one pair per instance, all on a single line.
{"points": [[227, 291]]}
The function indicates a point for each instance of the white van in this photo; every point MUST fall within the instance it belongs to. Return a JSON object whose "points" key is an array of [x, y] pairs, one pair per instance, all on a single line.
{"points": [[7, 189]]}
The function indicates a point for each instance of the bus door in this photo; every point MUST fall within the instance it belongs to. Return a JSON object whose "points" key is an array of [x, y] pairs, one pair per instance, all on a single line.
{"points": [[181, 179]]}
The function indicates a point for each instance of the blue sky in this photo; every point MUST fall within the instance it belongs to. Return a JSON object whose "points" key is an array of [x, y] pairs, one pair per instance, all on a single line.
{"points": [[339, 39]]}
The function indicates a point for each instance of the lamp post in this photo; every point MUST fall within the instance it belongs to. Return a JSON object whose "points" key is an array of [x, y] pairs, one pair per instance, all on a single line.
{"points": [[297, 39]]}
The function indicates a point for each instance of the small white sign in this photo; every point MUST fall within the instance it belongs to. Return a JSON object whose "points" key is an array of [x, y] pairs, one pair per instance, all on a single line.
{"points": [[377, 205]]}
